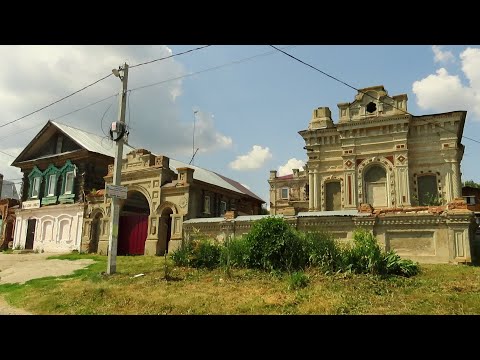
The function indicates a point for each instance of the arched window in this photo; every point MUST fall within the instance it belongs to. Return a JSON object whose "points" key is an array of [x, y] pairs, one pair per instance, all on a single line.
{"points": [[376, 186], [333, 197]]}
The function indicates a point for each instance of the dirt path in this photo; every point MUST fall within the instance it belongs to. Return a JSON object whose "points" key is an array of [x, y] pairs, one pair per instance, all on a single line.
{"points": [[19, 268]]}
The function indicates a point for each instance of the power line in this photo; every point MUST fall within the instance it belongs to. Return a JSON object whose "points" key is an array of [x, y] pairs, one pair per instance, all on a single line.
{"points": [[55, 102], [87, 106], [95, 82], [59, 117], [354, 88], [209, 69], [157, 83], [3, 152], [170, 56]]}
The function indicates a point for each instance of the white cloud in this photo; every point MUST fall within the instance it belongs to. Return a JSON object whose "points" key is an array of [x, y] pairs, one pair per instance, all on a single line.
{"points": [[253, 160], [292, 163], [445, 92], [442, 56], [39, 75], [207, 138]]}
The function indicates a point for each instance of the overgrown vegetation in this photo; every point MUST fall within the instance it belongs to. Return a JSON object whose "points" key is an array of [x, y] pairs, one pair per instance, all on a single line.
{"points": [[437, 290], [298, 280], [275, 246]]}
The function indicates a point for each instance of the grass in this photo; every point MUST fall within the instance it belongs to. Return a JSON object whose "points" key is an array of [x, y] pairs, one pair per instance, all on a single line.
{"points": [[438, 289]]}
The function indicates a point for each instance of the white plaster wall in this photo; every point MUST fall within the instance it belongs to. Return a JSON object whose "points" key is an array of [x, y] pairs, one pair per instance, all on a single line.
{"points": [[58, 228]]}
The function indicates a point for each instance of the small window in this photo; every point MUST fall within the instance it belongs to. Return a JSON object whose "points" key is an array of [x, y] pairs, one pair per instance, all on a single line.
{"points": [[470, 200], [51, 185], [36, 187], [223, 207], [284, 193], [206, 205], [69, 182], [371, 107]]}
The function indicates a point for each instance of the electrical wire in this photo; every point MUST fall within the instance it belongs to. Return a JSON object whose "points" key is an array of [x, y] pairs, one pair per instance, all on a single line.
{"points": [[84, 107], [360, 91], [101, 120], [55, 102], [3, 152], [161, 82], [209, 69], [168, 57]]}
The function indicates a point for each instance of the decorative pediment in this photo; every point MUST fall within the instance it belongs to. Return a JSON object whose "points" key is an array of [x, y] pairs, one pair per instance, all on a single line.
{"points": [[372, 102], [67, 167], [35, 173]]}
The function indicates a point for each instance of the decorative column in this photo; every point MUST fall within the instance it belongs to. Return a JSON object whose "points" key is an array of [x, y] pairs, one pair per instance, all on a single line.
{"points": [[456, 184], [316, 192], [311, 194], [448, 184], [151, 243], [402, 188]]}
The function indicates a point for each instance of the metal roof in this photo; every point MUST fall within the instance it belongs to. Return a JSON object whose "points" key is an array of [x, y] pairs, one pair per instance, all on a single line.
{"points": [[238, 218], [213, 178], [90, 141], [98, 144], [333, 213], [204, 220]]}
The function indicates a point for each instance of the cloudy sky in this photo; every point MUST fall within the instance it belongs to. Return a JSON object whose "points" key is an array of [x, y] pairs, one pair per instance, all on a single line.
{"points": [[250, 101]]}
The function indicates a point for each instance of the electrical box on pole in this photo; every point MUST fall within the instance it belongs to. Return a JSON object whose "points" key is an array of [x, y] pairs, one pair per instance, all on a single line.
{"points": [[117, 133]]}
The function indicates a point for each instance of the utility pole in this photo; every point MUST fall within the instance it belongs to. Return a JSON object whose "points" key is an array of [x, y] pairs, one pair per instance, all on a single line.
{"points": [[117, 170]]}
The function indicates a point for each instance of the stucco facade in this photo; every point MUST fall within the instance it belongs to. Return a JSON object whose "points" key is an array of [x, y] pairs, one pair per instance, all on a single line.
{"points": [[50, 229], [377, 153], [162, 193]]}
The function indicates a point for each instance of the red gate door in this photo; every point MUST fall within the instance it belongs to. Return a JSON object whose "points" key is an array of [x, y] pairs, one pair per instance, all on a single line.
{"points": [[132, 233]]}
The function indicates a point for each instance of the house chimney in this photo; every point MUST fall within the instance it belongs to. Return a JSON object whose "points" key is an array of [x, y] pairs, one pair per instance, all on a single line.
{"points": [[273, 174]]}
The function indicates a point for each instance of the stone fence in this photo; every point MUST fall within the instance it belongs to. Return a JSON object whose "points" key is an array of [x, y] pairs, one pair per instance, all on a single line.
{"points": [[424, 234]]}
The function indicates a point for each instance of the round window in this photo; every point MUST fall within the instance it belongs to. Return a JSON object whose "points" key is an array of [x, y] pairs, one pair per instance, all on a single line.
{"points": [[371, 107]]}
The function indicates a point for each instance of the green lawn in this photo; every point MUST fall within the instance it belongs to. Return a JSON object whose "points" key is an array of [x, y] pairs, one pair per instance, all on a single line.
{"points": [[438, 289]]}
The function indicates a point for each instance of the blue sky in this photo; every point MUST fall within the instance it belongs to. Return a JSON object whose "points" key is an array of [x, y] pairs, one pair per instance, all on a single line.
{"points": [[249, 113]]}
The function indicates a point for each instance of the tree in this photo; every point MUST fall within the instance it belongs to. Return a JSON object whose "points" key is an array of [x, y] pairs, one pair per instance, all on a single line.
{"points": [[471, 183]]}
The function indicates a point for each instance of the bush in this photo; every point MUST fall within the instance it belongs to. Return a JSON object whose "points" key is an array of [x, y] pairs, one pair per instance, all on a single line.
{"points": [[322, 251], [298, 280], [234, 253], [395, 265], [366, 256], [272, 244], [181, 256], [204, 254]]}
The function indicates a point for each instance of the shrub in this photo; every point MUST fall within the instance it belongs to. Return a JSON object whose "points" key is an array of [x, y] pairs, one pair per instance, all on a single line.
{"points": [[395, 265], [366, 256], [181, 256], [298, 280], [205, 254], [234, 253], [322, 251], [274, 245], [197, 253]]}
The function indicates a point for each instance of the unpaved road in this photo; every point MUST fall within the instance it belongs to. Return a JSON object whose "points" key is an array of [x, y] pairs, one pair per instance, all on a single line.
{"points": [[19, 268]]}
